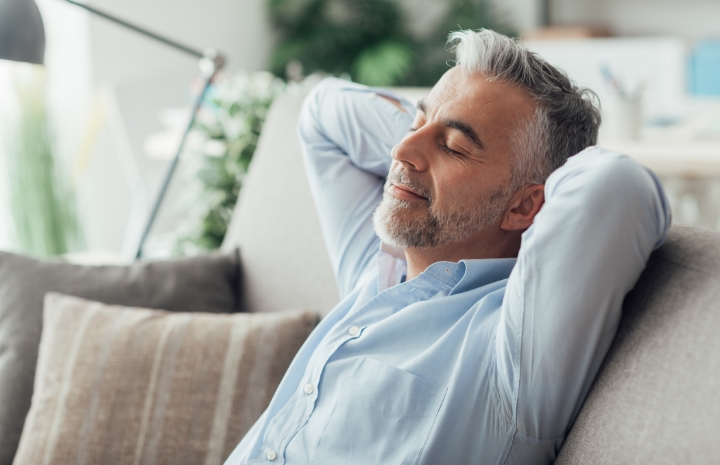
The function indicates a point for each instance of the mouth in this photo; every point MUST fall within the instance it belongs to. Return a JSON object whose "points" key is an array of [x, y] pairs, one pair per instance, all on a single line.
{"points": [[405, 193]]}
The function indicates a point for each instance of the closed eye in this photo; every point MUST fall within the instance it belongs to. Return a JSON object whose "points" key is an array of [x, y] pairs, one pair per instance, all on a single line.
{"points": [[448, 150]]}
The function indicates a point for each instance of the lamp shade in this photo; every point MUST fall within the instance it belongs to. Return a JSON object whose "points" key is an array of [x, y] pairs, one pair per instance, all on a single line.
{"points": [[22, 36]]}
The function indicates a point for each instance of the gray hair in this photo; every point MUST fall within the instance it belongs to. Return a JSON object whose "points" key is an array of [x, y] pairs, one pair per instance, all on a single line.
{"points": [[566, 118]]}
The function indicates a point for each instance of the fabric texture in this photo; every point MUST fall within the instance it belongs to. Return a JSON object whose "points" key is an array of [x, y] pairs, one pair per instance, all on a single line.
{"points": [[482, 361], [655, 398], [139, 386], [208, 282]]}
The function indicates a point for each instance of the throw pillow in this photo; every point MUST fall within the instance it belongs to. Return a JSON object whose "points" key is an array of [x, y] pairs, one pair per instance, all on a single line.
{"points": [[139, 386], [208, 282]]}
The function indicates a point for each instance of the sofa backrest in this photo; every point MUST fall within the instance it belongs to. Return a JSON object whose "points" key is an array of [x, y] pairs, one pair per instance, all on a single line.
{"points": [[655, 399], [275, 225]]}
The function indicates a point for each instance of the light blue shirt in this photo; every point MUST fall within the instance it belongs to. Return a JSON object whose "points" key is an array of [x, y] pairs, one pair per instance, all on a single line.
{"points": [[476, 362]]}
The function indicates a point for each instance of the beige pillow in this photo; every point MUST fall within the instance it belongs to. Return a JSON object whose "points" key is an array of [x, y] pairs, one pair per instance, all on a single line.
{"points": [[137, 386]]}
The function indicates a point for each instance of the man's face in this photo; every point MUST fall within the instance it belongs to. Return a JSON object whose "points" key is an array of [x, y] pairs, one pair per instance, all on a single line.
{"points": [[450, 176]]}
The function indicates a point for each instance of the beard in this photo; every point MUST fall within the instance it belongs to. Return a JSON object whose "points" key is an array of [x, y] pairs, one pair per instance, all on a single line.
{"points": [[398, 223]]}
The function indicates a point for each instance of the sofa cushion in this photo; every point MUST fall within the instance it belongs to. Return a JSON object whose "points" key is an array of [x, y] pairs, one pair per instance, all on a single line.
{"points": [[208, 282], [655, 397], [129, 385]]}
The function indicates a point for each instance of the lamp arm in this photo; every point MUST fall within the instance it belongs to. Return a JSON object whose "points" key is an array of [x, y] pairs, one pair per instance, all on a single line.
{"points": [[210, 63], [145, 32]]}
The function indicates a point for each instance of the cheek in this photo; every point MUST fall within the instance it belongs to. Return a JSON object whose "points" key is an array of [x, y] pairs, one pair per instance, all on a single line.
{"points": [[454, 185], [460, 187]]}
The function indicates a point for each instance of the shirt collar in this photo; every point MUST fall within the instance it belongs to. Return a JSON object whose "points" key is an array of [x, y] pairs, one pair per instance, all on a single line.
{"points": [[460, 277], [484, 271]]}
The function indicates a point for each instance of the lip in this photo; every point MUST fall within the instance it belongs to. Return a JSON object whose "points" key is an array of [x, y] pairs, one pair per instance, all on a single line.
{"points": [[404, 193]]}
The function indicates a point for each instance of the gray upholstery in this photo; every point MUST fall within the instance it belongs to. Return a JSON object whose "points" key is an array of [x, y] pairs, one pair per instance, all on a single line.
{"points": [[207, 283], [285, 264], [655, 399]]}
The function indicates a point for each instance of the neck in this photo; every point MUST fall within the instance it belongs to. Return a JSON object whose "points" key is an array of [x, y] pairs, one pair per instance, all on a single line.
{"points": [[485, 244]]}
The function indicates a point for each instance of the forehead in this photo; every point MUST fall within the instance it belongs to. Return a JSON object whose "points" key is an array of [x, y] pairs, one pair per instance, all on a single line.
{"points": [[478, 101]]}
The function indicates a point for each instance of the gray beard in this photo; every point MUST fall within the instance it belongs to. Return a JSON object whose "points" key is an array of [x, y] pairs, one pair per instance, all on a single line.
{"points": [[395, 227]]}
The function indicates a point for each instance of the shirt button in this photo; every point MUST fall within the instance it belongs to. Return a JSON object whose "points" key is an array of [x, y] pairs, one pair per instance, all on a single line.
{"points": [[271, 455], [309, 389], [354, 330]]}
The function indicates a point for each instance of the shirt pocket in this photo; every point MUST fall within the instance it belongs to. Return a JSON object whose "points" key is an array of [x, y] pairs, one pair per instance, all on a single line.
{"points": [[383, 415]]}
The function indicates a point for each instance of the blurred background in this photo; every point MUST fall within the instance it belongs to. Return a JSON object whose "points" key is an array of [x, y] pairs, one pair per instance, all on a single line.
{"points": [[86, 138]]}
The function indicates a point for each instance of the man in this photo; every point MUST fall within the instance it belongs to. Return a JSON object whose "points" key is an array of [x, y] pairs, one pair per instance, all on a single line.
{"points": [[482, 266]]}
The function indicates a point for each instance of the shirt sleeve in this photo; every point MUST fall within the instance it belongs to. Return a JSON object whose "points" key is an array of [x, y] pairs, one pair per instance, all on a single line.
{"points": [[603, 216], [347, 132]]}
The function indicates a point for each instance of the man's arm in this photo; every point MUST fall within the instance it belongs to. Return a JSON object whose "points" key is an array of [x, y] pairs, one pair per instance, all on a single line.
{"points": [[347, 132], [603, 216]]}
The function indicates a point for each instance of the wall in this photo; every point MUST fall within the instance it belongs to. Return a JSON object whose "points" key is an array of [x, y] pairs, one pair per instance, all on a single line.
{"points": [[135, 78], [524, 14], [689, 19]]}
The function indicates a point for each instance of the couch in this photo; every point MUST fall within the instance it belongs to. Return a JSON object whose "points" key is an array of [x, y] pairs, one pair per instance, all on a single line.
{"points": [[655, 398]]}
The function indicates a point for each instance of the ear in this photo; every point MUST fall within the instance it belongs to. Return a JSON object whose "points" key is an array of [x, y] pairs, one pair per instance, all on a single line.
{"points": [[524, 205]]}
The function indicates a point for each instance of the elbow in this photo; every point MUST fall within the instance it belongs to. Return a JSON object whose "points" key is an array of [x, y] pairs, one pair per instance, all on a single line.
{"points": [[310, 118], [641, 191], [615, 188]]}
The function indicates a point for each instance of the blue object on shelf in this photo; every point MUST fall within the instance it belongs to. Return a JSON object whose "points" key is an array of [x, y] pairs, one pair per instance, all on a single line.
{"points": [[705, 68]]}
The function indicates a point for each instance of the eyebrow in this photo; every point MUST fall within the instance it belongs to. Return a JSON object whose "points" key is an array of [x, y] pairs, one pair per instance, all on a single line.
{"points": [[421, 105], [464, 128]]}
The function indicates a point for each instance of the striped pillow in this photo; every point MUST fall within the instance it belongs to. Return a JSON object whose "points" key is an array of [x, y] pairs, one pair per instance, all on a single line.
{"points": [[138, 386]]}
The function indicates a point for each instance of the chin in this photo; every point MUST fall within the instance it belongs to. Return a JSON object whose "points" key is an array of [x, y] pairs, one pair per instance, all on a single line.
{"points": [[401, 224]]}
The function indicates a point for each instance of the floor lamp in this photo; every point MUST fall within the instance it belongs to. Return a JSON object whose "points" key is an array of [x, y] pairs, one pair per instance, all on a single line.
{"points": [[22, 38]]}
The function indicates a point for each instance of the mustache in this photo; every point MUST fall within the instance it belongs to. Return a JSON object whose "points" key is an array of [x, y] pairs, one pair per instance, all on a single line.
{"points": [[401, 177]]}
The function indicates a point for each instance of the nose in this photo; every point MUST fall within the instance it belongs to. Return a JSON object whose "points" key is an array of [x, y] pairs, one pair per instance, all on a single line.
{"points": [[412, 151]]}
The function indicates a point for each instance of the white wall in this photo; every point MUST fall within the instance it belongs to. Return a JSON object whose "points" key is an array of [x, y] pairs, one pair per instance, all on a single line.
{"points": [[524, 15], [689, 19], [8, 111], [238, 28], [145, 77]]}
